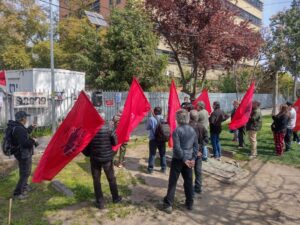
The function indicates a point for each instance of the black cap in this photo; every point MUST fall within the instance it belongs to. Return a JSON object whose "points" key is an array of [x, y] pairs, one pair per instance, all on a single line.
{"points": [[21, 115], [289, 103]]}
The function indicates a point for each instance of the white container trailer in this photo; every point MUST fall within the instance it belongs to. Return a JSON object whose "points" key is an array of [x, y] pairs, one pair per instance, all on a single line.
{"points": [[32, 80], [31, 92]]}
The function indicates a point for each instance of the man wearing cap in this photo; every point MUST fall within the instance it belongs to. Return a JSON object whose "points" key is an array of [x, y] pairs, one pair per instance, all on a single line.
{"points": [[291, 125], [21, 138]]}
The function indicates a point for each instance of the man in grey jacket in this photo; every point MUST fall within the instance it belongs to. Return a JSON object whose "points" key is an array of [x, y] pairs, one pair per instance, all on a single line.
{"points": [[184, 154]]}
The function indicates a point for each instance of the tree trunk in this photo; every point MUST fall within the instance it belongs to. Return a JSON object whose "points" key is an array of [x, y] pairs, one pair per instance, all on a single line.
{"points": [[236, 82], [275, 95], [203, 79], [295, 88], [195, 76]]}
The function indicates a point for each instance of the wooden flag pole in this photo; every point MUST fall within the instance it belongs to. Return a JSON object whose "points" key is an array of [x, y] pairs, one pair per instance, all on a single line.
{"points": [[9, 211]]}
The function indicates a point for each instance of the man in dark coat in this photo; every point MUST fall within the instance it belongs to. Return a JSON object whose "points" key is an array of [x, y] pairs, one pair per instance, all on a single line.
{"points": [[215, 123], [25, 144], [101, 156]]}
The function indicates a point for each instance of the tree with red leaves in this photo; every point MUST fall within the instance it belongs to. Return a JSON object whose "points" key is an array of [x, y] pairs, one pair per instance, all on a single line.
{"points": [[206, 33]]}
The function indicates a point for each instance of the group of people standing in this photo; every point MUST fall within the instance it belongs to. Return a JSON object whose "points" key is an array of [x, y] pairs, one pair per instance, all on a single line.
{"points": [[283, 128]]}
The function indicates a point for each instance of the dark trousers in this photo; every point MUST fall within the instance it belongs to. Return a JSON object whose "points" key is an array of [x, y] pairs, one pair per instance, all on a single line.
{"points": [[178, 167], [24, 173], [108, 168], [241, 135], [153, 146], [288, 139], [296, 137], [198, 174]]}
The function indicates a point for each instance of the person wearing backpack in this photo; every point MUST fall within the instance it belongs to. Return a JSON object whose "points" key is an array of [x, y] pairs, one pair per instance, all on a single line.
{"points": [[24, 145], [157, 140]]}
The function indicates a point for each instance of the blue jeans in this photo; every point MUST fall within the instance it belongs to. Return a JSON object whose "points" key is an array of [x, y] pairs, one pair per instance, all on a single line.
{"points": [[153, 146], [215, 141]]}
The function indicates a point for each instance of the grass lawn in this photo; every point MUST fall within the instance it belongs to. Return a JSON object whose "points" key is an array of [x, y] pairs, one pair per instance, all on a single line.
{"points": [[265, 146], [45, 201]]}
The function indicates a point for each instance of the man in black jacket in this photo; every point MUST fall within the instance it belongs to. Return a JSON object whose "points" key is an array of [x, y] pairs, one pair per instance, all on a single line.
{"points": [[215, 123], [21, 138], [101, 156]]}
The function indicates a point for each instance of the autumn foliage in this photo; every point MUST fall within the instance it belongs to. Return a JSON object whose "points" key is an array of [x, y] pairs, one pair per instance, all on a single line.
{"points": [[206, 33]]}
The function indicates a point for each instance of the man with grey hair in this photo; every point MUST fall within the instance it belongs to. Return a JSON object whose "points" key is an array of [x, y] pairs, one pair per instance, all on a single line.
{"points": [[184, 155], [202, 136], [203, 116]]}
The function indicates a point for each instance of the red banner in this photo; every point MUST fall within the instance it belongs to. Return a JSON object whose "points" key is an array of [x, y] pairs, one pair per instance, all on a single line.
{"points": [[297, 108], [2, 78], [135, 109], [242, 113], [173, 107], [204, 98], [73, 135]]}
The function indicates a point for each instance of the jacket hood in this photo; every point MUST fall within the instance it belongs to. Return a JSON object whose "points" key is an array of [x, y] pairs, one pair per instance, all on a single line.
{"points": [[12, 123]]}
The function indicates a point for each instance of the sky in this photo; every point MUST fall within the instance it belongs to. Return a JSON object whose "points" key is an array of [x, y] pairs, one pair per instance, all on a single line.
{"points": [[272, 7]]}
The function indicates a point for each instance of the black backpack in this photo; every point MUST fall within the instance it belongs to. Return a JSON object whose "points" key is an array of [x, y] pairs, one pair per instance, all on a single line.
{"points": [[7, 145], [162, 132]]}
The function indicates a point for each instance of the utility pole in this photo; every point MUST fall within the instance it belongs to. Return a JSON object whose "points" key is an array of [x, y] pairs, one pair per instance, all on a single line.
{"points": [[53, 117]]}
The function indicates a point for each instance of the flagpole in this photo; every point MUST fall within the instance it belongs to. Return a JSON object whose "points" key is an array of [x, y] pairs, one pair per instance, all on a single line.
{"points": [[52, 69]]}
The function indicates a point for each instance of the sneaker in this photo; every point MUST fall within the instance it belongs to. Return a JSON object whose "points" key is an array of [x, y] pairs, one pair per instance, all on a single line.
{"points": [[240, 147], [20, 197], [197, 191], [204, 159], [150, 171], [117, 200], [167, 209], [163, 171], [189, 207], [99, 205]]}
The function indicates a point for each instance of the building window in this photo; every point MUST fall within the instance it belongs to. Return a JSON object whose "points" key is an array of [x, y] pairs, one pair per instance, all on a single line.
{"points": [[111, 2], [95, 6], [244, 14], [256, 3]]}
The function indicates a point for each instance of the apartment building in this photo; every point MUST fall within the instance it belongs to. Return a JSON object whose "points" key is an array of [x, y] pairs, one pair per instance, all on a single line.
{"points": [[251, 10]]}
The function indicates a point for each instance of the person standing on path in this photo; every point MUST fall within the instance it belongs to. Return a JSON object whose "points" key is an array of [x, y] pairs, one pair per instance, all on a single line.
{"points": [[184, 155], [202, 136], [215, 122], [279, 128], [254, 125], [203, 116], [154, 144], [122, 150], [290, 126], [101, 156]]}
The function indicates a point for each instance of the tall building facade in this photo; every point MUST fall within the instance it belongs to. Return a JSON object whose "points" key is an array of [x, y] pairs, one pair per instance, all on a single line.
{"points": [[100, 6], [251, 10]]}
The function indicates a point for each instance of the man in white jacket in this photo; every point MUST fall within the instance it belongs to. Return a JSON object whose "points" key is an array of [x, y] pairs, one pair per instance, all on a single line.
{"points": [[291, 125]]}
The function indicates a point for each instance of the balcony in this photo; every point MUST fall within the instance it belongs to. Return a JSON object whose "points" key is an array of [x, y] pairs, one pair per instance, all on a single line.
{"points": [[256, 3]]}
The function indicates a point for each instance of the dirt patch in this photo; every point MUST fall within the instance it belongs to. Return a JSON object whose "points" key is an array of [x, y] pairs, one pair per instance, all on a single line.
{"points": [[267, 194]]}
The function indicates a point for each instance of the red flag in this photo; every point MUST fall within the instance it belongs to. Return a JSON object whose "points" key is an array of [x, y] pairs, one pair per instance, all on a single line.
{"points": [[135, 109], [2, 78], [73, 135], [204, 98], [297, 108], [242, 113], [173, 107]]}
